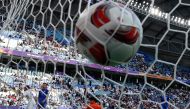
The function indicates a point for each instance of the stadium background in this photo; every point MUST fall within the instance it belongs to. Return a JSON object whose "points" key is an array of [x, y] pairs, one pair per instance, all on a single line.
{"points": [[36, 48]]}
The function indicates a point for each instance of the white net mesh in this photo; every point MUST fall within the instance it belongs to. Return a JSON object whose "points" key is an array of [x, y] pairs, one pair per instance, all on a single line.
{"points": [[37, 48]]}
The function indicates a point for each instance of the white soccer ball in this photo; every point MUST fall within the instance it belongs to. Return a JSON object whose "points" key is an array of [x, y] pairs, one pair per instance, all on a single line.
{"points": [[108, 33]]}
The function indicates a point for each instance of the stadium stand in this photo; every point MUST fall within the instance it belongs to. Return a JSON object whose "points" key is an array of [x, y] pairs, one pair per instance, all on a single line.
{"points": [[139, 63], [61, 86]]}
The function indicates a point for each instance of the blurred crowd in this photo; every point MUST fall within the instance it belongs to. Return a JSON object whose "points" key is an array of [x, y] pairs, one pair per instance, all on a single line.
{"points": [[139, 63], [69, 93], [30, 37], [183, 73], [7, 96], [162, 69], [179, 96], [64, 91]]}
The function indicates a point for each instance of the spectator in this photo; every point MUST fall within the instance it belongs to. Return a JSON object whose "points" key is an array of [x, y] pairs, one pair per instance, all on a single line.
{"points": [[93, 104], [43, 96], [28, 94]]}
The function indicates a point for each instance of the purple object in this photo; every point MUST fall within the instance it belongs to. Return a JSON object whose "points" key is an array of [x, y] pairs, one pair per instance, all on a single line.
{"points": [[9, 107], [57, 59]]}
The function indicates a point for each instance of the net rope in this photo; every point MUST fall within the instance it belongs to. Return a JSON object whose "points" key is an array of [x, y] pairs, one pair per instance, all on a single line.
{"points": [[15, 20]]}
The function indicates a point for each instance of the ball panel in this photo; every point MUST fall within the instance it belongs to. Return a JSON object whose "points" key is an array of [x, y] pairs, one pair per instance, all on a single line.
{"points": [[90, 47], [136, 46], [129, 37], [99, 18], [98, 52], [120, 16], [119, 51], [82, 37], [98, 33]]}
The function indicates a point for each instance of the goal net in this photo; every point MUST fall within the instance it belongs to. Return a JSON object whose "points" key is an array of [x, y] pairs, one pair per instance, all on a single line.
{"points": [[40, 64]]}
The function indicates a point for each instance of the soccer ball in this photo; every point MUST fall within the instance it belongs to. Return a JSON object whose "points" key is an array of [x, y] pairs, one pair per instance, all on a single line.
{"points": [[108, 33]]}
